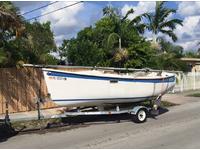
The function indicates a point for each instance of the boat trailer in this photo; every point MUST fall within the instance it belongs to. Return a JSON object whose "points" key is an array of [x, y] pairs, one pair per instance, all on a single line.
{"points": [[138, 111]]}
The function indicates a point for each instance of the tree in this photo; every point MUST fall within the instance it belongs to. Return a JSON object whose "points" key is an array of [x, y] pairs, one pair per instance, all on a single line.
{"points": [[33, 46], [167, 61], [158, 21], [91, 47], [121, 25], [11, 26], [62, 52], [10, 18], [168, 47]]}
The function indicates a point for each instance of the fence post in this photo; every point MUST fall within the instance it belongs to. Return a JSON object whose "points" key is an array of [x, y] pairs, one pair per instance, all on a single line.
{"points": [[194, 86], [7, 118], [39, 98], [182, 81], [38, 108]]}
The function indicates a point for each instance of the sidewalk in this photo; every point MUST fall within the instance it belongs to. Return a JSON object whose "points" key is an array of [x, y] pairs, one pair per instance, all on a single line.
{"points": [[181, 98]]}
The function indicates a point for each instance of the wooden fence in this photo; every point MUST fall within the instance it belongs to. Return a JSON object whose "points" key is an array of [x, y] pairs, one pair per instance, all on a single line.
{"points": [[20, 87]]}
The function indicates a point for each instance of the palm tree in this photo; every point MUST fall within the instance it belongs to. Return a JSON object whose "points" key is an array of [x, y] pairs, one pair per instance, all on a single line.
{"points": [[160, 23], [136, 23], [121, 54], [110, 11], [10, 18]]}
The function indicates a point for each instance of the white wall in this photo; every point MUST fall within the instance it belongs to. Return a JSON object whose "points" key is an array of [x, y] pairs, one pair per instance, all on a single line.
{"points": [[187, 81]]}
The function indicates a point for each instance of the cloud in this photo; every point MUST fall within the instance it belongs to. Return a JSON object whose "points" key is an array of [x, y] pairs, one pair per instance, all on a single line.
{"points": [[191, 8], [140, 8], [67, 22], [189, 33], [64, 23], [26, 6]]}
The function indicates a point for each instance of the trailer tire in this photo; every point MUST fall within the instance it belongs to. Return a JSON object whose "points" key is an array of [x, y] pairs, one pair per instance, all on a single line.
{"points": [[140, 116]]}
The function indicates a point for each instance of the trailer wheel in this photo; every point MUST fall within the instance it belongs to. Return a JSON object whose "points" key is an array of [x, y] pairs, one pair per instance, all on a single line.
{"points": [[140, 116]]}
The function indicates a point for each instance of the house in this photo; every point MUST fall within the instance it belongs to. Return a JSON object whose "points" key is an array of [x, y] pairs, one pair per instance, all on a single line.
{"points": [[193, 64]]}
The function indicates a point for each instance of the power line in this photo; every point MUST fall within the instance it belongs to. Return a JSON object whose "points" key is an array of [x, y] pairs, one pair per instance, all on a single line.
{"points": [[54, 11], [28, 12]]}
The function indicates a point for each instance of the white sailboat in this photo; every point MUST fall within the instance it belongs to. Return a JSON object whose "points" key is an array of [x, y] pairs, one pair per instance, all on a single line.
{"points": [[93, 87]]}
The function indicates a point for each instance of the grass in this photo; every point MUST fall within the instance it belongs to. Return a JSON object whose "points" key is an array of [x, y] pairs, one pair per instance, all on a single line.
{"points": [[167, 104], [34, 124], [163, 104], [194, 95]]}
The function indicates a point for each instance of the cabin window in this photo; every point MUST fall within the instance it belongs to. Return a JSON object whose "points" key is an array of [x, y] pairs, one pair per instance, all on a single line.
{"points": [[113, 81]]}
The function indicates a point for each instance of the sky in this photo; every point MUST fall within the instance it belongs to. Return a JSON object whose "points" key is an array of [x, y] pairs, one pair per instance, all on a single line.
{"points": [[66, 23]]}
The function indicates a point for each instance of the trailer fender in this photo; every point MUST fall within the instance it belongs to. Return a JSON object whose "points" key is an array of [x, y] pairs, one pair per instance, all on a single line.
{"points": [[137, 108]]}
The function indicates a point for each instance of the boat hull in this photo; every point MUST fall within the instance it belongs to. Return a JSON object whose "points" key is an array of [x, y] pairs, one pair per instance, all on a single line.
{"points": [[76, 89]]}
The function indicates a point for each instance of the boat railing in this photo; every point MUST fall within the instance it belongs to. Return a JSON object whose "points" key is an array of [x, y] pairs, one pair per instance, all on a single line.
{"points": [[98, 68]]}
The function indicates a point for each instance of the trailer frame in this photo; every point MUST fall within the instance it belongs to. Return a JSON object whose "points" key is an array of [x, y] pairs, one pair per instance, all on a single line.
{"points": [[139, 112]]}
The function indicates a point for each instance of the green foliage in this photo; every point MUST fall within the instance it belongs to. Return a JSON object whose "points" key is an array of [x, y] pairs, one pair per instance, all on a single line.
{"points": [[168, 47], [33, 46], [192, 54], [194, 95], [168, 61], [139, 54], [2, 56], [91, 46], [169, 58], [39, 40], [158, 21], [10, 18], [98, 45]]}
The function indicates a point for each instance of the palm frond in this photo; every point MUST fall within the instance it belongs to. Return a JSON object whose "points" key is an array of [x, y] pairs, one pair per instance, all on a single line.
{"points": [[158, 11], [136, 23], [170, 33], [140, 28], [158, 22], [165, 13], [131, 11], [136, 20], [171, 23]]}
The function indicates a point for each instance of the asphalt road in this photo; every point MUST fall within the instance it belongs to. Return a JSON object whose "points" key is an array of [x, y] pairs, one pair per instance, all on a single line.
{"points": [[177, 128]]}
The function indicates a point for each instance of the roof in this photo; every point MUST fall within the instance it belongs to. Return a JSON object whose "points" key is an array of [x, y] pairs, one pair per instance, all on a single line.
{"points": [[190, 59]]}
